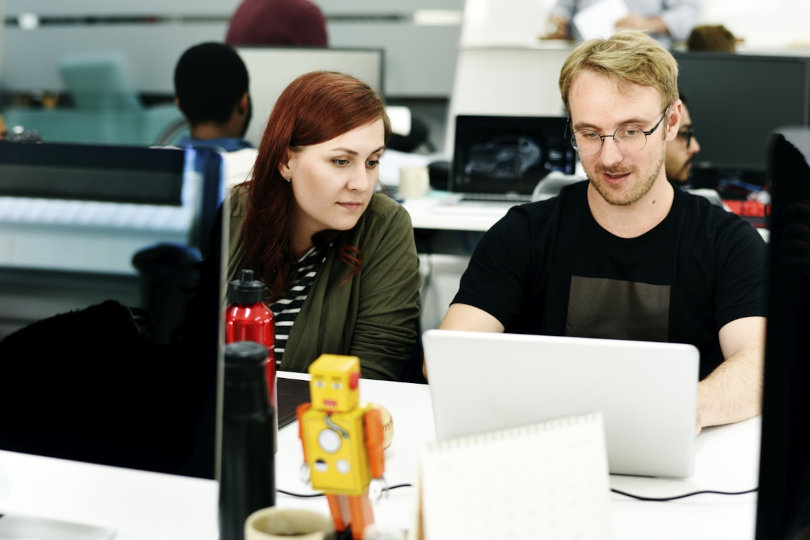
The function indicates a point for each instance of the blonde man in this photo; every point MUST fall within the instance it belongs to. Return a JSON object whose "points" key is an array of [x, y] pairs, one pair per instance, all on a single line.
{"points": [[624, 255]]}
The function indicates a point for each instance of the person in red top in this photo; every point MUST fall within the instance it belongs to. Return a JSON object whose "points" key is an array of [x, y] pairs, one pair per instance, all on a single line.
{"points": [[277, 22]]}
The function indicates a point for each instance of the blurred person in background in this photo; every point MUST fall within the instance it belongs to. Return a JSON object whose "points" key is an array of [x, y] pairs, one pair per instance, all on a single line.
{"points": [[277, 22], [664, 20], [711, 37], [681, 149]]}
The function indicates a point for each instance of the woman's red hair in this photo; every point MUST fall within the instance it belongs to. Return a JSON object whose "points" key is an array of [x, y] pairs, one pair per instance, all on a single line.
{"points": [[314, 108]]}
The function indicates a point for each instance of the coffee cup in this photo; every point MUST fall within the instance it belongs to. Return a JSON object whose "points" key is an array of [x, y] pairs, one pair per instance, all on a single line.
{"points": [[414, 181], [288, 523]]}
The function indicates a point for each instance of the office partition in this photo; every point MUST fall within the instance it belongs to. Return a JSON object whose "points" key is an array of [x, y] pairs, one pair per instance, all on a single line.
{"points": [[271, 69]]}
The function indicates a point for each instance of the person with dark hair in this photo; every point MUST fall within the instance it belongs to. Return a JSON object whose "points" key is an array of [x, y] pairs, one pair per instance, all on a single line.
{"points": [[277, 22], [711, 37], [339, 259], [211, 90], [681, 149]]}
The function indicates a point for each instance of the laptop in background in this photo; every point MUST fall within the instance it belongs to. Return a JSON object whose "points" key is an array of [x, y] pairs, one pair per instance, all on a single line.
{"points": [[646, 391], [503, 158]]}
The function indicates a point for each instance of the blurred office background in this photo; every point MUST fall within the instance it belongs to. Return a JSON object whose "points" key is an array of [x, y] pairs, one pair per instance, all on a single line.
{"points": [[440, 58], [41, 41]]}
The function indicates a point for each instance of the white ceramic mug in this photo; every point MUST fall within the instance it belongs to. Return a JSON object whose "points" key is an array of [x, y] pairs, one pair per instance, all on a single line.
{"points": [[414, 181], [285, 523]]}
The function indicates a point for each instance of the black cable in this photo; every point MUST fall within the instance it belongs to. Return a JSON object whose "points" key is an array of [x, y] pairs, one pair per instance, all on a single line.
{"points": [[617, 491], [300, 495], [321, 494], [674, 497], [396, 486]]}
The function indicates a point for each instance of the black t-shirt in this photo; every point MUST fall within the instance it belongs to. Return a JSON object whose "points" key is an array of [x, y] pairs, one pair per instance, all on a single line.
{"points": [[549, 268]]}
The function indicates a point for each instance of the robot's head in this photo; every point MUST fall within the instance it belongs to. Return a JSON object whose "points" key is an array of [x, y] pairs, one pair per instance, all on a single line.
{"points": [[334, 383]]}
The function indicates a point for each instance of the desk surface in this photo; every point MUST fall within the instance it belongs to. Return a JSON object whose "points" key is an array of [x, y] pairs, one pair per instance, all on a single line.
{"points": [[434, 212], [727, 459]]}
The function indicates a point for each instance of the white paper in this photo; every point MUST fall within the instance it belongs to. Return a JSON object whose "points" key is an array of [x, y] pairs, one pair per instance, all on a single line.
{"points": [[599, 20]]}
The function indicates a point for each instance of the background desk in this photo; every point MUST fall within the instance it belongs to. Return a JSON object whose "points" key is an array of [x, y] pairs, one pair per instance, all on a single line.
{"points": [[430, 213], [445, 239], [727, 459]]}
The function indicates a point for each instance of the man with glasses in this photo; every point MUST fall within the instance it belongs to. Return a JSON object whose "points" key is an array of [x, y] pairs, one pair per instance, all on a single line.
{"points": [[625, 255], [682, 149]]}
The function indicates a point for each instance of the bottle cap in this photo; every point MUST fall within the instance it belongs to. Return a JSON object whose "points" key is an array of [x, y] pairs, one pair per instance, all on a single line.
{"points": [[245, 362], [246, 289]]}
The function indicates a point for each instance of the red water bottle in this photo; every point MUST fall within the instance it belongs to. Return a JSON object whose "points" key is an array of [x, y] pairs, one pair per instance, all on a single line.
{"points": [[247, 318]]}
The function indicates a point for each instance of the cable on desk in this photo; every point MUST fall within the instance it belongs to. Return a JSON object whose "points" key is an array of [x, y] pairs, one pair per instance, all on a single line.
{"points": [[300, 495], [617, 491], [683, 496], [320, 494]]}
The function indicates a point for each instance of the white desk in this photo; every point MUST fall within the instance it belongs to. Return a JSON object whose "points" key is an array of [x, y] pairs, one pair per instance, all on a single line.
{"points": [[430, 212], [727, 459]]}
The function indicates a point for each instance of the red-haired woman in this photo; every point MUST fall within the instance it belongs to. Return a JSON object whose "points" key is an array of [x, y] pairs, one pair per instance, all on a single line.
{"points": [[339, 259]]}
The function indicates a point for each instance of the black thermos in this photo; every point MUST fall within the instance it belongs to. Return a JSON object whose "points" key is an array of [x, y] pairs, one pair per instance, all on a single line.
{"points": [[247, 470]]}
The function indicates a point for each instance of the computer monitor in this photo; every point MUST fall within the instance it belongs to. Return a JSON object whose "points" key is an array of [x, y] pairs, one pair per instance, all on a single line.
{"points": [[783, 508], [103, 427], [735, 101], [508, 154], [271, 69]]}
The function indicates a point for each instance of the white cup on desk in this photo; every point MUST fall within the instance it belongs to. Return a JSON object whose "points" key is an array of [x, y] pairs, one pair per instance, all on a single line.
{"points": [[285, 523], [414, 181]]}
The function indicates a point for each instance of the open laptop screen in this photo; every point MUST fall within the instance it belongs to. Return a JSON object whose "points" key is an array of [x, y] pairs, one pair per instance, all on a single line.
{"points": [[508, 154]]}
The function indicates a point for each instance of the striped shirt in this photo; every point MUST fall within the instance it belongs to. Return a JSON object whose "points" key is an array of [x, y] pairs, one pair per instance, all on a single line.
{"points": [[288, 306]]}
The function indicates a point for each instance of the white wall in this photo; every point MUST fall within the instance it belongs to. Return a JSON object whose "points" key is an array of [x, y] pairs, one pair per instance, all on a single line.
{"points": [[763, 24]]}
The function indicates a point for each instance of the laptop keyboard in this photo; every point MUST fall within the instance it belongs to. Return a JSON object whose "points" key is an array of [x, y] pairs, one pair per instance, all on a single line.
{"points": [[100, 215]]}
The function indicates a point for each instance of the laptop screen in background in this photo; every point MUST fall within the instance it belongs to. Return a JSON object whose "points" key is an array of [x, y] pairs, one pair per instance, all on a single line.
{"points": [[508, 154]]}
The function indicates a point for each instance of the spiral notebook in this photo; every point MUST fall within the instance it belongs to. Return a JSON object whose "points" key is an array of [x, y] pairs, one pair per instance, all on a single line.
{"points": [[542, 480]]}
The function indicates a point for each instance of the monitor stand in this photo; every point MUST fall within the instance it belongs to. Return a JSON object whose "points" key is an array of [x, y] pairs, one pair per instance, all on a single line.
{"points": [[14, 526]]}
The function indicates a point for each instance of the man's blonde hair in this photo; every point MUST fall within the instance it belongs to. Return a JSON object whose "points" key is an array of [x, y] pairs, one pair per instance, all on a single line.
{"points": [[628, 57]]}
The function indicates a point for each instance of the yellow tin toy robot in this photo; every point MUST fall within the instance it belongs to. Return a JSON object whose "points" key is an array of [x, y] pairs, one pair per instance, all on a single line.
{"points": [[342, 440]]}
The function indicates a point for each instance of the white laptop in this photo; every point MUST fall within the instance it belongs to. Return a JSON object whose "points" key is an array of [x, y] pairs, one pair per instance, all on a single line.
{"points": [[646, 391]]}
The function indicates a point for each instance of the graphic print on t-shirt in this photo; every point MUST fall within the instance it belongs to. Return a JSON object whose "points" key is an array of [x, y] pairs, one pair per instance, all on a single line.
{"points": [[615, 309]]}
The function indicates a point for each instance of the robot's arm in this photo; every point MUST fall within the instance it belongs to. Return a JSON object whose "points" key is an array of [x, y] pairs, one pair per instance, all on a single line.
{"points": [[299, 414], [373, 426]]}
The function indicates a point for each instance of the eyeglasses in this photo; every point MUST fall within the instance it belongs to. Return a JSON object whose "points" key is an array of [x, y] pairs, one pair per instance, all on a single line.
{"points": [[630, 138], [687, 135]]}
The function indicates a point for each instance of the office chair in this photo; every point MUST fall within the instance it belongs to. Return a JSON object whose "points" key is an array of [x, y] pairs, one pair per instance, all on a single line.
{"points": [[99, 81]]}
